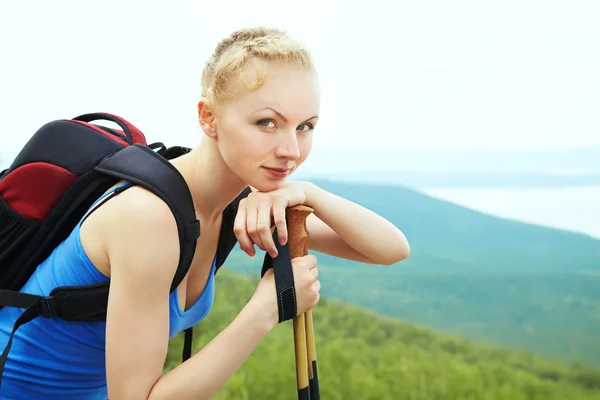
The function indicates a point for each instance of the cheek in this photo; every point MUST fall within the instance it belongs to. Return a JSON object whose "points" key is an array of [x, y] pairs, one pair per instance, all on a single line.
{"points": [[240, 146]]}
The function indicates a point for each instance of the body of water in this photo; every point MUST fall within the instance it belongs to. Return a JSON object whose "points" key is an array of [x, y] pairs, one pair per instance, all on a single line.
{"points": [[571, 208]]}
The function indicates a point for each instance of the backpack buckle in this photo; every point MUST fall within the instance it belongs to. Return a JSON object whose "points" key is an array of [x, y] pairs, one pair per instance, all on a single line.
{"points": [[46, 306]]}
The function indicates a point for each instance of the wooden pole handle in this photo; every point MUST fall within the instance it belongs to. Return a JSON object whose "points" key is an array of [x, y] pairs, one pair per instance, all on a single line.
{"points": [[297, 232]]}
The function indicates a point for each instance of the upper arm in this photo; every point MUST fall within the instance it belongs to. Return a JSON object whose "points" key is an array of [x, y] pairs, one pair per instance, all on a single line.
{"points": [[143, 251], [322, 238]]}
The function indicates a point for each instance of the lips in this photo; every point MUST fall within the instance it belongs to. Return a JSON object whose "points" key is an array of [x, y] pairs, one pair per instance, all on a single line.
{"points": [[277, 173], [278, 169]]}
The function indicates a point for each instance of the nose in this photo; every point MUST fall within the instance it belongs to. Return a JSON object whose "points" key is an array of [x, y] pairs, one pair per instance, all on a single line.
{"points": [[288, 146]]}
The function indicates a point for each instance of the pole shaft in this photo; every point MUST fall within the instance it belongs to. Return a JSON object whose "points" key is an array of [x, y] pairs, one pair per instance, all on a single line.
{"points": [[303, 334]]}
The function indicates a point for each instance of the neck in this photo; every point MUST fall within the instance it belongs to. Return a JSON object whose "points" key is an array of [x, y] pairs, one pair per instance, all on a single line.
{"points": [[212, 184]]}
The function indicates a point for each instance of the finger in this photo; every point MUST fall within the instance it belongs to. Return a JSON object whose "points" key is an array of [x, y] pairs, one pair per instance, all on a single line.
{"points": [[312, 275], [280, 222], [239, 229], [251, 226], [264, 228], [317, 286], [311, 260], [315, 272]]}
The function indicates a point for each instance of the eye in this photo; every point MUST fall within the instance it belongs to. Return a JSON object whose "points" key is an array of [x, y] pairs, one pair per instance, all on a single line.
{"points": [[308, 127], [265, 122]]}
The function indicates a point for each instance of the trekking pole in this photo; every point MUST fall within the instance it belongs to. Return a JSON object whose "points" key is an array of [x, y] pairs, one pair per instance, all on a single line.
{"points": [[304, 338], [313, 378]]}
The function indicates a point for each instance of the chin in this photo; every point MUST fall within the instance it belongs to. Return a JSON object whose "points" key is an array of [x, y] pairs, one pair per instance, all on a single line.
{"points": [[267, 185]]}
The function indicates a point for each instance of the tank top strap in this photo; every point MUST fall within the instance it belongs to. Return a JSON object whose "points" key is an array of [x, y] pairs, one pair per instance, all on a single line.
{"points": [[99, 199]]}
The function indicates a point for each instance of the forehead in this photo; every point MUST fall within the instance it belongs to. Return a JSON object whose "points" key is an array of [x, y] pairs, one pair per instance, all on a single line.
{"points": [[292, 90]]}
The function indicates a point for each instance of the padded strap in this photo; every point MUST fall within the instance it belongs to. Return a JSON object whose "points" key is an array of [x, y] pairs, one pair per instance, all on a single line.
{"points": [[77, 303], [81, 303], [143, 166], [284, 280], [192, 231]]}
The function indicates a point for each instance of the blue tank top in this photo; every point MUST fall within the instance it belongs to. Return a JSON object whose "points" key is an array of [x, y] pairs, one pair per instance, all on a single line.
{"points": [[57, 359]]}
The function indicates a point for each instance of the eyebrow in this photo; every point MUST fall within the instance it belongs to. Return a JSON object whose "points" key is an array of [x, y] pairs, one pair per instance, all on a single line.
{"points": [[280, 115]]}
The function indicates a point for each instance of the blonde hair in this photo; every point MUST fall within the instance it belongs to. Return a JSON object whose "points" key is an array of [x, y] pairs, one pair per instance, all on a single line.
{"points": [[260, 44]]}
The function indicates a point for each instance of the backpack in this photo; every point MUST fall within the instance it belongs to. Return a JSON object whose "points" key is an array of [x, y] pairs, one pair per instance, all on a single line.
{"points": [[65, 166]]}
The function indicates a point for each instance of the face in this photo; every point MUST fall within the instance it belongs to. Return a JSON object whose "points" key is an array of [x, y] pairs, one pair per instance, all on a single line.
{"points": [[265, 134]]}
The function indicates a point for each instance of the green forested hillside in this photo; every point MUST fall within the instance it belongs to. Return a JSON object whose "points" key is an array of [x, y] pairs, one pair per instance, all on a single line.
{"points": [[555, 314], [507, 282], [365, 356]]}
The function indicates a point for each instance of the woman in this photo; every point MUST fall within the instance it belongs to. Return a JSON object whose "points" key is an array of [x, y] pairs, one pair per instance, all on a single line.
{"points": [[259, 107]]}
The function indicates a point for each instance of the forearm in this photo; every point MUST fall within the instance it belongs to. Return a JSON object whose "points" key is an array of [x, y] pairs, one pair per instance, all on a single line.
{"points": [[364, 231], [205, 373]]}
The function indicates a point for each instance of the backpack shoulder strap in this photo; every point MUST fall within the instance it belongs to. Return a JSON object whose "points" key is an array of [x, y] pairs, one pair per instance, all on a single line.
{"points": [[227, 239], [143, 166]]}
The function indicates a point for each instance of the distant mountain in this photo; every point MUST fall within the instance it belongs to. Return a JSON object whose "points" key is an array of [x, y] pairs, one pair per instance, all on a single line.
{"points": [[444, 235], [426, 168], [494, 279], [455, 179]]}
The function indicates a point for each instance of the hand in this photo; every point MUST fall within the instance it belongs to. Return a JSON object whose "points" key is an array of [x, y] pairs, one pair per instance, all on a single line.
{"points": [[259, 211], [306, 283]]}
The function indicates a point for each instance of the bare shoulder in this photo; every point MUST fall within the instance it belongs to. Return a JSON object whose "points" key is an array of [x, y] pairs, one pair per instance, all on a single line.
{"points": [[144, 233], [134, 229]]}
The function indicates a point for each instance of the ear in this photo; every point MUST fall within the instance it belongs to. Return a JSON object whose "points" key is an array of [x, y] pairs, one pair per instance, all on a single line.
{"points": [[206, 118]]}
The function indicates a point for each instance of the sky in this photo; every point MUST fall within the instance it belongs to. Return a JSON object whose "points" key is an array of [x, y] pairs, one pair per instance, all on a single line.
{"points": [[517, 75]]}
